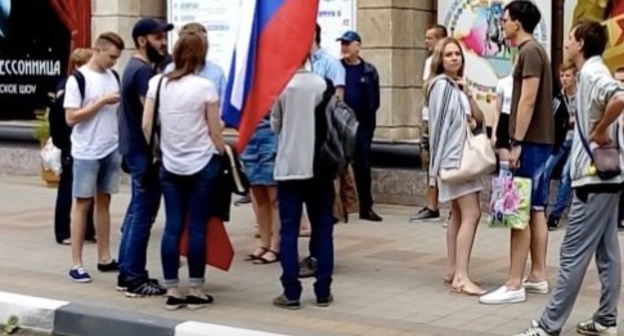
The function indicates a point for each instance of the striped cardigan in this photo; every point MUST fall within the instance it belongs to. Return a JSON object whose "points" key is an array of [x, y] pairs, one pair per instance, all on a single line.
{"points": [[447, 126]]}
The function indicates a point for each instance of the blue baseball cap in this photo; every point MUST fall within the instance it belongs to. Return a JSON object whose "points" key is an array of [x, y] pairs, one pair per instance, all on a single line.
{"points": [[148, 26], [350, 36]]}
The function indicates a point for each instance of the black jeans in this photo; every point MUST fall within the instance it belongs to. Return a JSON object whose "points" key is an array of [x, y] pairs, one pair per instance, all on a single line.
{"points": [[64, 199], [362, 166]]}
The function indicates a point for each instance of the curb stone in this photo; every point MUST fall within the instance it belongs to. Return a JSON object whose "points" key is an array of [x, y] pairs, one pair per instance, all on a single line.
{"points": [[69, 319]]}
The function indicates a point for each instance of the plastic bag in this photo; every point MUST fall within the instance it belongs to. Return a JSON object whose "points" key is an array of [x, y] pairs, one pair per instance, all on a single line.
{"points": [[510, 202], [51, 157]]}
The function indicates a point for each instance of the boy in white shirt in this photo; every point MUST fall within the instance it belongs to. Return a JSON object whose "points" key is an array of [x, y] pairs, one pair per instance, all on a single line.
{"points": [[91, 108]]}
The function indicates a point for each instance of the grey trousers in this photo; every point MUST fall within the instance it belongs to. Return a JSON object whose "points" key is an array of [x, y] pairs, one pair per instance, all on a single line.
{"points": [[591, 228]]}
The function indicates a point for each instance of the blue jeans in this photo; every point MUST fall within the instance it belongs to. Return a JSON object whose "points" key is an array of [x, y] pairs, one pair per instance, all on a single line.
{"points": [[318, 196], [533, 165], [140, 217], [565, 183], [187, 197]]}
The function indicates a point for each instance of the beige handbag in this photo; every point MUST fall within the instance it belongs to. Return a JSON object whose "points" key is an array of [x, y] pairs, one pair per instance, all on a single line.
{"points": [[478, 159]]}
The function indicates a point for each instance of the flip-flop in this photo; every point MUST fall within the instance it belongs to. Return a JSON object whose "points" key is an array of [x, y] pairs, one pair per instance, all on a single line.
{"points": [[252, 257], [264, 261]]}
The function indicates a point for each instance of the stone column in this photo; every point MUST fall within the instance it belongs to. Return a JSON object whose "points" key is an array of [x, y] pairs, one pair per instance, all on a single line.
{"points": [[120, 16], [393, 40]]}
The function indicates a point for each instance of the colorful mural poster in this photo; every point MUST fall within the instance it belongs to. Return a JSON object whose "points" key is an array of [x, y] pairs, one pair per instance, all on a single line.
{"points": [[477, 24], [611, 13]]}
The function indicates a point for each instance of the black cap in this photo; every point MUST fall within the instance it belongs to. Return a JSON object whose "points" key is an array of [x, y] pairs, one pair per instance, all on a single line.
{"points": [[350, 36], [148, 26]]}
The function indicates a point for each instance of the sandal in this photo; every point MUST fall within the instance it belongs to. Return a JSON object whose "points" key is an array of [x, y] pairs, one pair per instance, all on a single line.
{"points": [[254, 256], [262, 260]]}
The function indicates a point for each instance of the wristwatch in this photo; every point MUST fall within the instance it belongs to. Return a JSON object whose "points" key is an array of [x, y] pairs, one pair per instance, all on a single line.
{"points": [[515, 143]]}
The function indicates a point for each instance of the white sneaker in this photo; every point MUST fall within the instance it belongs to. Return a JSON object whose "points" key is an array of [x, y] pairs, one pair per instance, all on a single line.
{"points": [[592, 328], [503, 295], [535, 330], [535, 287]]}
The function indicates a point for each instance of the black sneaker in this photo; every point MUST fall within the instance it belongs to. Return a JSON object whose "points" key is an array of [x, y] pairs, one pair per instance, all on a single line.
{"points": [[325, 302], [174, 303], [426, 214], [145, 289], [122, 286], [283, 302], [553, 224], [112, 266], [307, 267], [195, 302]]}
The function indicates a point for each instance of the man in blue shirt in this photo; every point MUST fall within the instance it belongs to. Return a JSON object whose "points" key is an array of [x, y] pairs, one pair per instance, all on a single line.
{"points": [[151, 42], [362, 95], [211, 71]]}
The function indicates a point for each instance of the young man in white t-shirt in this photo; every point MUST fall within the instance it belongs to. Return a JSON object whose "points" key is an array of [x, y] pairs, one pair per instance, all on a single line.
{"points": [[430, 211], [95, 143]]}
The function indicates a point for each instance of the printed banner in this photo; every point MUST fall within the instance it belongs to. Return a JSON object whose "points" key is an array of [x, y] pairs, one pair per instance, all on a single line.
{"points": [[477, 24], [221, 19], [611, 13], [33, 58]]}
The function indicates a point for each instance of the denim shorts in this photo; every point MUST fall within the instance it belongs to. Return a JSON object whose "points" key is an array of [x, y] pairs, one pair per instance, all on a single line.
{"points": [[533, 165], [259, 156], [92, 176]]}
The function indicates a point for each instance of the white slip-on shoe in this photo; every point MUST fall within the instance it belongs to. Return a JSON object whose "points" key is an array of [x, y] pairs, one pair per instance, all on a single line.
{"points": [[503, 295], [540, 287]]}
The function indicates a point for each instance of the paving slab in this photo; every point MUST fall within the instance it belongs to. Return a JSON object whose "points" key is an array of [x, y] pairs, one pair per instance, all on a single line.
{"points": [[388, 276]]}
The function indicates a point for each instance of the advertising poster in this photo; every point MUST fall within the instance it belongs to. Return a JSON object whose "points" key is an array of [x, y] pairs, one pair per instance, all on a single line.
{"points": [[611, 13], [477, 24], [221, 19], [34, 51]]}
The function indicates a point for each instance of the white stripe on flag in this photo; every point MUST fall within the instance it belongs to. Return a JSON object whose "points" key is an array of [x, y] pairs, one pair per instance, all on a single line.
{"points": [[242, 53]]}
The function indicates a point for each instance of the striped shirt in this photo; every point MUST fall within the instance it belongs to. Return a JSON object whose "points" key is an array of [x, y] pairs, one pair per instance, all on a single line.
{"points": [[595, 89]]}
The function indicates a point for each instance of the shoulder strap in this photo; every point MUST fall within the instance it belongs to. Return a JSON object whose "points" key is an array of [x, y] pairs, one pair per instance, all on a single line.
{"points": [[584, 140], [116, 74], [82, 82], [155, 118]]}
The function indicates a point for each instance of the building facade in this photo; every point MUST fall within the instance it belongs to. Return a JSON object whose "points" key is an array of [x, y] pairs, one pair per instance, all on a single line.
{"points": [[393, 39]]}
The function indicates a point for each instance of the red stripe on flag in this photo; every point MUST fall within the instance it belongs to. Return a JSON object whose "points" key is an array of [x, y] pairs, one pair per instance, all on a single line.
{"points": [[282, 46]]}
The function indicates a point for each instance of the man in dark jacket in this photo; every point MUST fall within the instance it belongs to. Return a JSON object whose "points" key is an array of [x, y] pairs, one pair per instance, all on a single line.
{"points": [[362, 95]]}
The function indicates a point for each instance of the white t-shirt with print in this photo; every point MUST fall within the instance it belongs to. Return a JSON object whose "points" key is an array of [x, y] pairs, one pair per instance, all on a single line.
{"points": [[98, 136], [504, 88], [185, 141], [426, 73]]}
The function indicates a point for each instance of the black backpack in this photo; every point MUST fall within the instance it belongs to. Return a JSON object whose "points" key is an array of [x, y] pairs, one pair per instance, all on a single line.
{"points": [[336, 135], [82, 82]]}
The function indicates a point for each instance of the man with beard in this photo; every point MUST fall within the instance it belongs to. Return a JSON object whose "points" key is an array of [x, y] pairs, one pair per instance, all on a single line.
{"points": [[150, 38]]}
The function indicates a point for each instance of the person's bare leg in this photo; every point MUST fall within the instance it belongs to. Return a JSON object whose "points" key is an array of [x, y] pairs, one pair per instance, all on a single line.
{"points": [[304, 228], [539, 246], [78, 227], [432, 198], [276, 225], [470, 215], [520, 243], [254, 207], [451, 242], [102, 227], [263, 216]]}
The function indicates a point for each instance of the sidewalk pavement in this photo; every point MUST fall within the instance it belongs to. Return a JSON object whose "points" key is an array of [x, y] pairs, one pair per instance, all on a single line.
{"points": [[388, 276]]}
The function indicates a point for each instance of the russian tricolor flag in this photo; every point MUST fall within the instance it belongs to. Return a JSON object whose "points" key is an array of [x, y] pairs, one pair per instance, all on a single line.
{"points": [[273, 38]]}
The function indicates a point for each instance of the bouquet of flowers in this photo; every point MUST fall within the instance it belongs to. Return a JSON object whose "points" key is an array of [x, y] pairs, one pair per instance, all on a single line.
{"points": [[510, 202]]}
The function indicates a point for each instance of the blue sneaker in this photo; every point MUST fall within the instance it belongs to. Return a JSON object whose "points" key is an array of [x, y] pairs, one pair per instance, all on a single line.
{"points": [[79, 275]]}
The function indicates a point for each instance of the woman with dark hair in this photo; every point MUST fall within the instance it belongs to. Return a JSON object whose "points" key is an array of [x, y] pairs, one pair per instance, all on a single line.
{"points": [[190, 142]]}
